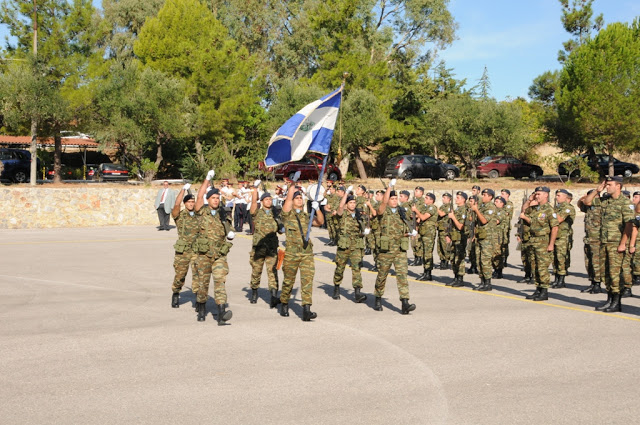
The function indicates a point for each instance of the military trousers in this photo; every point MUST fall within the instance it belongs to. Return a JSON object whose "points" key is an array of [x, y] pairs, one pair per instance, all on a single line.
{"points": [[635, 263], [418, 248], [611, 265], [445, 252], [525, 257], [540, 260], [354, 256], [263, 256], [398, 259], [294, 261], [181, 263], [498, 251], [561, 255], [626, 277], [459, 250], [485, 251], [207, 266], [428, 240], [592, 259]]}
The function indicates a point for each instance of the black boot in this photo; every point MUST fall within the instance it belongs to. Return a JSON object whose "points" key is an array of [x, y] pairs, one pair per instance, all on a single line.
{"points": [[616, 304], [494, 273], [427, 275], [487, 286], [284, 310], [543, 295], [589, 289], [479, 287], [597, 288], [636, 280], [336, 292], [374, 268], [223, 315], [367, 251], [447, 265], [555, 280], [472, 270], [377, 306], [419, 261], [443, 265], [307, 314], [525, 279], [458, 282], [254, 296], [450, 283], [406, 307], [175, 300], [359, 298], [202, 311], [607, 304], [560, 282], [535, 293], [626, 292], [499, 274], [274, 298]]}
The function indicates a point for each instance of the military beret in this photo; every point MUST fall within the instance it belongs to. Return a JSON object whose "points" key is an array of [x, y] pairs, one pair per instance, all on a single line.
{"points": [[393, 193], [420, 188], [297, 193], [489, 192], [476, 187], [446, 195], [350, 198], [431, 195], [565, 191], [405, 192], [636, 193], [617, 179], [265, 195], [379, 191], [501, 199], [212, 192], [342, 188], [507, 191], [626, 193], [188, 198], [542, 189], [363, 187], [464, 195], [371, 191]]}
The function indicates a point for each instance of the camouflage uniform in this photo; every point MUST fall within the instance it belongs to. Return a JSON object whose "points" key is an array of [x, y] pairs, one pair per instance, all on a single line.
{"points": [[417, 245], [264, 251], [393, 251], [486, 236], [616, 213], [333, 201], [459, 241], [502, 232], [635, 258], [543, 220], [444, 250], [507, 239], [526, 252], [212, 253], [350, 248], [375, 231], [361, 204], [562, 247], [297, 256], [427, 233], [188, 226], [592, 224]]}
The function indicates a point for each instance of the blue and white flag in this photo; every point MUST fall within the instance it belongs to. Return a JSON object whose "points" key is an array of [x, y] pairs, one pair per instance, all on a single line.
{"points": [[309, 130]]}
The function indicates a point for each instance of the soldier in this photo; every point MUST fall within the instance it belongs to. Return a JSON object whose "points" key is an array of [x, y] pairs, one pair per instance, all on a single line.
{"points": [[188, 226], [506, 194], [333, 200], [264, 250], [444, 248], [394, 230], [350, 246], [565, 214], [634, 245], [592, 223], [375, 228], [543, 231], [403, 201], [502, 230], [636, 198], [626, 276], [362, 204], [215, 227], [416, 243], [457, 238], [427, 213], [486, 222], [524, 235], [475, 194], [615, 231], [298, 252]]}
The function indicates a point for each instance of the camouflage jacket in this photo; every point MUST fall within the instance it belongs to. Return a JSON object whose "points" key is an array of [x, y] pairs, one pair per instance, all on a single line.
{"points": [[592, 220], [432, 221], [567, 212], [443, 221], [266, 228], [615, 215], [214, 226], [489, 229], [188, 226], [543, 219], [361, 204], [296, 223], [392, 225], [461, 214], [510, 210]]}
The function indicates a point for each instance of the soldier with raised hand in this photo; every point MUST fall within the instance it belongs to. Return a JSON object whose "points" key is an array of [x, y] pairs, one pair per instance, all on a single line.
{"points": [[375, 227], [394, 243], [475, 194], [427, 213], [188, 226], [350, 246], [524, 236], [592, 224], [634, 246], [416, 243], [486, 231], [333, 200], [264, 248], [213, 247], [508, 206], [566, 214], [299, 252], [543, 232], [444, 248], [457, 238], [500, 237]]}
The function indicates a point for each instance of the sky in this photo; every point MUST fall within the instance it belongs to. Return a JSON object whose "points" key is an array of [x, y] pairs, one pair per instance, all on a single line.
{"points": [[516, 40]]}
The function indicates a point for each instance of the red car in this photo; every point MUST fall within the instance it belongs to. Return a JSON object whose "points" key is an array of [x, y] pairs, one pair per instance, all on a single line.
{"points": [[309, 168], [507, 166]]}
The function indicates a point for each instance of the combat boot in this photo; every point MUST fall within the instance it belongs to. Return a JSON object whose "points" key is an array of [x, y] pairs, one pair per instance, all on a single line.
{"points": [[473, 270], [560, 283], [419, 261], [608, 303], [477, 288], [254, 296], [443, 265], [223, 315], [499, 274], [336, 292], [359, 298], [636, 280], [535, 293], [458, 282], [274, 298], [543, 295], [526, 279], [284, 310], [175, 300], [377, 305], [589, 289], [367, 251], [626, 292], [202, 311], [307, 314], [487, 286], [374, 268], [451, 282], [427, 275], [406, 307], [616, 304], [447, 265], [597, 288]]}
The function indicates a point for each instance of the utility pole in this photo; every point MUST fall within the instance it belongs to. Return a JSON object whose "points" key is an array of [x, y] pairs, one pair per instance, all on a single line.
{"points": [[34, 122]]}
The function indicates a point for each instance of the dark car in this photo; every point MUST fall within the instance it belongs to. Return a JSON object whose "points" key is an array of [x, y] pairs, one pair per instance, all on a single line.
{"points": [[309, 168], [620, 168], [112, 172], [507, 166], [420, 167], [74, 173], [16, 164]]}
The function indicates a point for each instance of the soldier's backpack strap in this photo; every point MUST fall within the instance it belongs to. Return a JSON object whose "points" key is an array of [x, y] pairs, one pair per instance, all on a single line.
{"points": [[305, 243]]}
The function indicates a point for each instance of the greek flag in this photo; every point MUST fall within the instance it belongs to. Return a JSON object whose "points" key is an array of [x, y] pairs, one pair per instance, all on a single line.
{"points": [[310, 129]]}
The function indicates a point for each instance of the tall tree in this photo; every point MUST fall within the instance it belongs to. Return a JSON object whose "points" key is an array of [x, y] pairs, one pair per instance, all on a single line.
{"points": [[577, 20]]}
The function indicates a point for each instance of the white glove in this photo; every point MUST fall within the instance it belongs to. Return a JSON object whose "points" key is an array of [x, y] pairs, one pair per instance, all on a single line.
{"points": [[257, 183], [414, 233], [315, 205], [350, 189], [324, 202], [367, 231], [231, 235], [296, 176], [392, 182], [186, 186], [284, 187], [210, 174]]}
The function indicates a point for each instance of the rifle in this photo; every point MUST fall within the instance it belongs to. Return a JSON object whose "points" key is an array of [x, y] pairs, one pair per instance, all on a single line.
{"points": [[520, 222]]}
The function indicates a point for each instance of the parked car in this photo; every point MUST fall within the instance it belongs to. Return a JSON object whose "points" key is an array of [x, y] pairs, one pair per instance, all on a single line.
{"points": [[620, 168], [74, 173], [309, 168], [507, 166], [16, 164], [420, 166], [112, 172]]}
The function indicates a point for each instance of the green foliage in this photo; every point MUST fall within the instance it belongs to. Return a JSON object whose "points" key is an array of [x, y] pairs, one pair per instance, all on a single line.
{"points": [[147, 169], [577, 21], [363, 120], [578, 167]]}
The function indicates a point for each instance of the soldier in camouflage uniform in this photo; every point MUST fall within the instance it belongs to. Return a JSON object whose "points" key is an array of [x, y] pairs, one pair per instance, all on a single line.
{"points": [[566, 214], [404, 202], [185, 255], [264, 249], [626, 277], [212, 247], [543, 231], [634, 244], [362, 204], [375, 228], [457, 238], [523, 236], [486, 235], [299, 252], [472, 244], [502, 231], [350, 246], [444, 248], [394, 243], [615, 232], [333, 200], [508, 206], [332, 218], [592, 223], [427, 214], [416, 243]]}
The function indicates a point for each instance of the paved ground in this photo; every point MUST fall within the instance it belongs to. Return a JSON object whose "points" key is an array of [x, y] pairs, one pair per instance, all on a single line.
{"points": [[88, 336]]}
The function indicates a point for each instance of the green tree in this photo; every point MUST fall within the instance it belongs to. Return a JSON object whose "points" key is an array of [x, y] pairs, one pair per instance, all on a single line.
{"points": [[577, 20]]}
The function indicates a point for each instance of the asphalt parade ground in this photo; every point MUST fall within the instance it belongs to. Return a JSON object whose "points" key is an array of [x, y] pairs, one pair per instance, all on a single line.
{"points": [[89, 337]]}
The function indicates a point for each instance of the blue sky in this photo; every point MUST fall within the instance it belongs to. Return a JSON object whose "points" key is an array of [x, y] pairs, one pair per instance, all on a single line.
{"points": [[517, 40]]}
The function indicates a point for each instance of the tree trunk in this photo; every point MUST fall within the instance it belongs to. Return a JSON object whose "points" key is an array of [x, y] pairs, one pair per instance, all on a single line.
{"points": [[612, 171], [149, 177], [199, 153], [435, 152], [344, 165], [360, 164], [34, 150], [57, 157]]}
